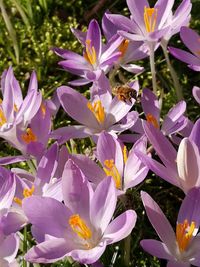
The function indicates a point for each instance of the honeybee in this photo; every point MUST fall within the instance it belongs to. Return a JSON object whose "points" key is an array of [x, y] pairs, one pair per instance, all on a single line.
{"points": [[124, 92]]}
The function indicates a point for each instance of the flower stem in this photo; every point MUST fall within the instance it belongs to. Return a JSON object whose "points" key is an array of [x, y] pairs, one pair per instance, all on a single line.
{"points": [[31, 166], [152, 66], [127, 250], [175, 79]]}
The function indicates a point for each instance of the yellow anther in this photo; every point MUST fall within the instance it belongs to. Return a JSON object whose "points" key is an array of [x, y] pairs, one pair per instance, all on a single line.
{"points": [[26, 193], [123, 47], [90, 53], [151, 119], [29, 136], [150, 18], [2, 118], [111, 170], [98, 110], [15, 108], [18, 201], [184, 233], [125, 154], [79, 227]]}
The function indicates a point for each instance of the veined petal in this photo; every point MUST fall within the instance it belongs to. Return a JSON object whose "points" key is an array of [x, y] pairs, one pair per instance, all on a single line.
{"points": [[164, 8], [188, 164], [159, 221], [120, 227], [190, 39], [94, 35], [103, 204], [196, 93], [194, 135], [9, 247], [156, 248], [184, 56]]}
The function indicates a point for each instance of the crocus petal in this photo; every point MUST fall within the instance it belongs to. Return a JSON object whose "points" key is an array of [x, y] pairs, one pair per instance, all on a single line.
{"points": [[76, 106], [66, 54], [13, 222], [63, 134], [77, 191], [79, 82], [47, 252], [94, 35], [177, 264], [81, 36], [156, 248], [108, 148], [120, 227], [47, 214], [7, 188], [9, 247], [150, 104], [184, 56], [163, 147], [190, 208], [137, 10], [90, 255], [194, 135], [188, 159], [196, 93], [103, 204], [12, 159], [131, 36], [159, 221], [190, 39], [109, 28], [33, 83], [48, 164], [193, 251], [164, 9]]}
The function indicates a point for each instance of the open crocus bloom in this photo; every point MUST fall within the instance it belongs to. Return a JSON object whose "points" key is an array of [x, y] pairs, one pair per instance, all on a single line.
{"points": [[80, 227], [181, 168], [126, 169], [180, 249], [145, 23], [97, 58], [16, 112], [191, 39], [173, 122], [103, 113]]}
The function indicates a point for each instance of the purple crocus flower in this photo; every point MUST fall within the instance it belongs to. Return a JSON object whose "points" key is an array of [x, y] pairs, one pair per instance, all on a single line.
{"points": [[125, 167], [145, 23], [16, 113], [181, 168], [103, 113], [180, 249], [97, 58], [173, 122], [191, 39], [80, 227]]}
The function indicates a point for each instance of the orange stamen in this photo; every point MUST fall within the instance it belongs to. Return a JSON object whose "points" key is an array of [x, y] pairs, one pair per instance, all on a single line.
{"points": [[151, 119], [150, 18], [98, 110], [90, 53], [184, 233], [111, 170], [29, 136], [79, 226]]}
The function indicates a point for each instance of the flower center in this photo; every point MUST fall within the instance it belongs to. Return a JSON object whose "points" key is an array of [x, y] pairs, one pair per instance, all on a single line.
{"points": [[26, 193], [80, 227], [150, 18], [29, 136], [43, 109], [111, 170], [2, 118], [98, 110], [123, 47], [151, 119], [90, 53], [184, 233]]}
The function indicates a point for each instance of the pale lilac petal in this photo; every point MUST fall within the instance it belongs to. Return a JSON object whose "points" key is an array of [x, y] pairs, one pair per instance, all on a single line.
{"points": [[79, 82], [188, 164], [150, 104], [49, 251], [164, 9], [88, 256], [196, 93], [94, 35], [77, 191], [159, 221], [33, 83], [108, 148], [103, 204], [76, 67], [156, 248], [111, 47], [177, 264], [12, 159], [75, 105], [7, 188], [9, 247], [48, 164], [190, 39], [189, 209], [66, 54], [133, 68], [81, 36], [194, 135], [13, 222], [47, 214], [120, 227], [109, 28], [184, 56], [53, 190], [137, 10], [131, 36], [193, 251]]}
